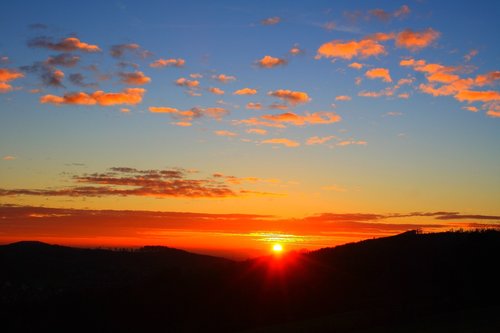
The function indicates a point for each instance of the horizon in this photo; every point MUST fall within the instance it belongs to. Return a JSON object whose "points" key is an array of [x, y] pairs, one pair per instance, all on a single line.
{"points": [[228, 127]]}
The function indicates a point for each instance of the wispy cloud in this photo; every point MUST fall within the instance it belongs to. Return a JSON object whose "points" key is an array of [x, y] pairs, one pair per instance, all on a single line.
{"points": [[131, 96], [64, 45], [281, 141], [168, 63], [271, 20]]}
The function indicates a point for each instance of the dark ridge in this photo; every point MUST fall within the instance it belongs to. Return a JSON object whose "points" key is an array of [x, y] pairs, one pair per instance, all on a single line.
{"points": [[412, 282]]}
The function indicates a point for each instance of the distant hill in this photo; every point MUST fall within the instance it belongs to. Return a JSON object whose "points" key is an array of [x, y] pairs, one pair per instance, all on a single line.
{"points": [[411, 282]]}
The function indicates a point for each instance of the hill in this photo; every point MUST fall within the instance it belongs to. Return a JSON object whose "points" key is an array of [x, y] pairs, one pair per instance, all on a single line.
{"points": [[409, 282]]}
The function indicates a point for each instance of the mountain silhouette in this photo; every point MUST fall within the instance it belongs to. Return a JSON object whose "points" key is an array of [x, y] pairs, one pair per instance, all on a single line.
{"points": [[412, 282]]}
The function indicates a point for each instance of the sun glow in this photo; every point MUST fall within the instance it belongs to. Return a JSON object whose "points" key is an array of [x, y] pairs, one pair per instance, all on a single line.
{"points": [[277, 248]]}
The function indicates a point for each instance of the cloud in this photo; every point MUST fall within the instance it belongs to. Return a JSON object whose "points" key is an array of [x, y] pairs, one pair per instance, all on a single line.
{"points": [[117, 51], [130, 96], [347, 50], [352, 142], [63, 59], [279, 106], [78, 80], [168, 63], [258, 131], [225, 133], [472, 53], [316, 140], [493, 109], [344, 98], [136, 78], [245, 91], [7, 75], [183, 82], [292, 97], [8, 158], [379, 73], [50, 75], [295, 50], [135, 182], [193, 113], [356, 65], [271, 20], [403, 11], [375, 94], [281, 120], [224, 78], [380, 14], [416, 40], [404, 95], [65, 45], [477, 96], [329, 26], [253, 106], [216, 91], [282, 141], [271, 62]]}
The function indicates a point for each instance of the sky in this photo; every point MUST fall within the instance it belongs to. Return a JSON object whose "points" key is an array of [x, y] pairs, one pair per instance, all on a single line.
{"points": [[227, 126]]}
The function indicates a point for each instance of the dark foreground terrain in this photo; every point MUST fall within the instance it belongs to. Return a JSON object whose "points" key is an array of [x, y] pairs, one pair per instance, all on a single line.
{"points": [[443, 282]]}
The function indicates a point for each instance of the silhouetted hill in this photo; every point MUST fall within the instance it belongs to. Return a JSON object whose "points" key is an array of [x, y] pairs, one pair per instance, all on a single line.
{"points": [[411, 282]]}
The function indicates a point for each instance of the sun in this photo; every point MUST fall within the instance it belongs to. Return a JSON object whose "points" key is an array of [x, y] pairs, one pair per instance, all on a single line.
{"points": [[277, 248]]}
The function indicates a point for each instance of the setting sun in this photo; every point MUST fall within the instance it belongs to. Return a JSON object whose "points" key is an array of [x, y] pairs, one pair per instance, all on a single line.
{"points": [[277, 248]]}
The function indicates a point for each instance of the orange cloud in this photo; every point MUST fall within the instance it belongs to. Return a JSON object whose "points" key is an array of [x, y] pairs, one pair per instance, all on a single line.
{"points": [[216, 91], [225, 133], [316, 140], [477, 96], [271, 20], [66, 45], [347, 50], [493, 109], [7, 75], [168, 63], [381, 36], [321, 117], [415, 40], [296, 51], [411, 62], [485, 79], [8, 158], [471, 108], [292, 97], [253, 106], [343, 98], [379, 73], [282, 141], [134, 78], [442, 77], [404, 95], [356, 65], [182, 123], [224, 78], [193, 113], [130, 96], [245, 91], [183, 82], [256, 131], [270, 62]]}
